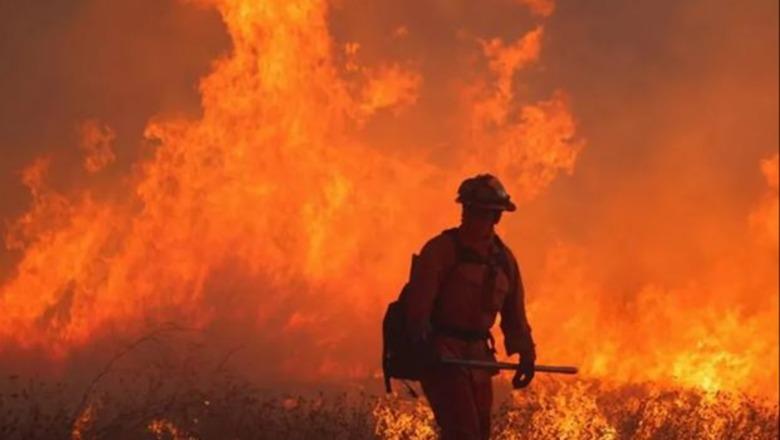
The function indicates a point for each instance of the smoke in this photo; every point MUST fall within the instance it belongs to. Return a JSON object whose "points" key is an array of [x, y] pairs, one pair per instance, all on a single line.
{"points": [[654, 244], [119, 63]]}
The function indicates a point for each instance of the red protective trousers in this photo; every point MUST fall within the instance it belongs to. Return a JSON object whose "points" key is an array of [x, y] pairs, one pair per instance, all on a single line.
{"points": [[461, 398]]}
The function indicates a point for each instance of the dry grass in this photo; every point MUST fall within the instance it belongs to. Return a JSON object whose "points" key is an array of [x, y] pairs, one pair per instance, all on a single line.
{"points": [[190, 406]]}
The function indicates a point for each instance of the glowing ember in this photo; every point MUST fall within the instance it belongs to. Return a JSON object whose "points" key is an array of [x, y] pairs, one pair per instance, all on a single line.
{"points": [[165, 429], [83, 423]]}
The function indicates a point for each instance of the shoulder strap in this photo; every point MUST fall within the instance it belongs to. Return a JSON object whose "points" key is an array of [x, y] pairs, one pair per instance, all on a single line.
{"points": [[460, 257], [509, 264]]}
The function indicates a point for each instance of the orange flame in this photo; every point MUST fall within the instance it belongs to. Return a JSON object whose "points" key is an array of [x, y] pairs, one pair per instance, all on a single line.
{"points": [[96, 142], [276, 214]]}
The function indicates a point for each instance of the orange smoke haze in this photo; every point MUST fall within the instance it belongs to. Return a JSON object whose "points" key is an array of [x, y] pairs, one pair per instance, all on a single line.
{"points": [[279, 214]]}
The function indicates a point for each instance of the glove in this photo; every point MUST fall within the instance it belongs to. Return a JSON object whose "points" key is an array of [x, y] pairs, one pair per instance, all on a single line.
{"points": [[525, 372]]}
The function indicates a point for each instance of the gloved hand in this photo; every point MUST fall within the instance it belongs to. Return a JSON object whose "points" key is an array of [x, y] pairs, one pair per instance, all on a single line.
{"points": [[525, 371]]}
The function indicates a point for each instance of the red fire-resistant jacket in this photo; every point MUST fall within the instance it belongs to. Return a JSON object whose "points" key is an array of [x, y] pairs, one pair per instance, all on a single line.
{"points": [[453, 295]]}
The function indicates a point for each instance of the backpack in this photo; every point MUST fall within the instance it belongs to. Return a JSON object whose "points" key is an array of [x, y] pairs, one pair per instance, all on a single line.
{"points": [[401, 357]]}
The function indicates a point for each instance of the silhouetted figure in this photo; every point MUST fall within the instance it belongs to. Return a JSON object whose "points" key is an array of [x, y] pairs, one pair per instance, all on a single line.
{"points": [[461, 280]]}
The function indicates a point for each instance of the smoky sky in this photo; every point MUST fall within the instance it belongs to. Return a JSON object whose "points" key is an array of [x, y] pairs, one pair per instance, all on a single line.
{"points": [[677, 101], [120, 62]]}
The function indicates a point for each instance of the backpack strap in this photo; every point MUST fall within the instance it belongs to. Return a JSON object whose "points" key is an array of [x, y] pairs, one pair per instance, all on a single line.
{"points": [[508, 263]]}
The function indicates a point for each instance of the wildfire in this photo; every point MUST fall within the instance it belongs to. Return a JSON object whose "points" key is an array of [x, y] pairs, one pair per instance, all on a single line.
{"points": [[281, 214], [597, 411], [271, 181]]}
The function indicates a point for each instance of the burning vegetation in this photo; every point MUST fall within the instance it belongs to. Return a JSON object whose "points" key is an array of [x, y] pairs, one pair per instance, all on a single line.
{"points": [[159, 406], [269, 231]]}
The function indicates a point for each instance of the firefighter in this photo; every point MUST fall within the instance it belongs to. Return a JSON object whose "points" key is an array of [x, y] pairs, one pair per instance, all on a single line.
{"points": [[463, 278]]}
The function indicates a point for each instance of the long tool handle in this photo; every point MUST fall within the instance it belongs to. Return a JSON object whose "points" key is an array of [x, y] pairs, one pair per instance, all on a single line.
{"points": [[508, 366]]}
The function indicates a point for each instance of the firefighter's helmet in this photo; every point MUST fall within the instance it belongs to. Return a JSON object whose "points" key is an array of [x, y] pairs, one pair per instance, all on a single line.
{"points": [[484, 191]]}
